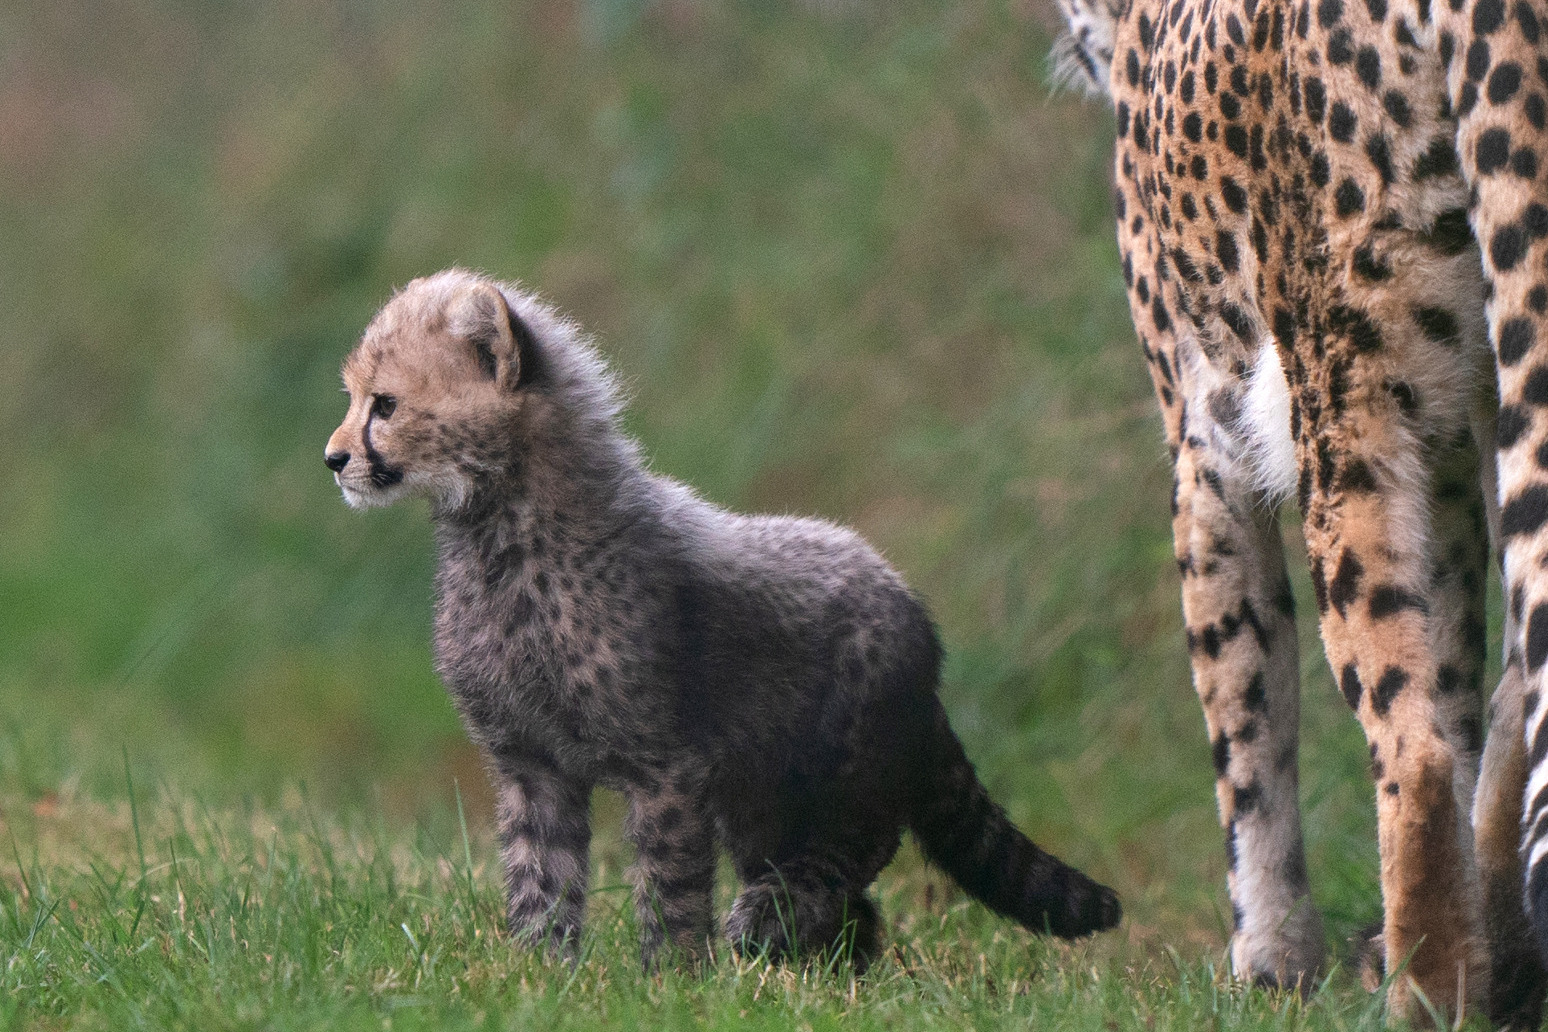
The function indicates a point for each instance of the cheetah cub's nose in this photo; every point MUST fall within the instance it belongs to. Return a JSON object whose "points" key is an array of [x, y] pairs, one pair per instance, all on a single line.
{"points": [[337, 460]]}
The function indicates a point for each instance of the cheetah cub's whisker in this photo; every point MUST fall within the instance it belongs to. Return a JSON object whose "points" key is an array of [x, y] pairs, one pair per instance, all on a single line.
{"points": [[764, 684]]}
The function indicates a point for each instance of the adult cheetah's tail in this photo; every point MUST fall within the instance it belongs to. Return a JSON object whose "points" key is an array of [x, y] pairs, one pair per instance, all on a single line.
{"points": [[963, 831]]}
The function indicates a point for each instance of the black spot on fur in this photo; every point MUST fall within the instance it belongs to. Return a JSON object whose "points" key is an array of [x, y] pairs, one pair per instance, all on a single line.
{"points": [[1504, 81], [1523, 162], [1488, 15], [1368, 67], [1512, 423], [1236, 140], [1349, 199], [1537, 637], [1341, 47], [1349, 684], [1507, 247], [1369, 265], [1477, 60], [1525, 513], [1438, 324], [1516, 339], [1237, 319], [1403, 394], [1390, 599], [1362, 332], [1467, 99], [1493, 150], [1225, 250], [1391, 682], [1255, 698], [1527, 19], [1357, 477], [1439, 160], [1346, 582], [1535, 390], [1246, 798], [1284, 327], [1397, 108], [1451, 233], [1535, 221], [1321, 170], [1536, 110], [1448, 680], [1316, 99], [1380, 155], [1342, 122]]}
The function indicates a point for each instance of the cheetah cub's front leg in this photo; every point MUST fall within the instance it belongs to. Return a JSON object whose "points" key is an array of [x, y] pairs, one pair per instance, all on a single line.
{"points": [[545, 838]]}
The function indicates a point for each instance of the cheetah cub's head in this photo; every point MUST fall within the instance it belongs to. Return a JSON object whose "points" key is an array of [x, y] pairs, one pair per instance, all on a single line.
{"points": [[436, 388]]}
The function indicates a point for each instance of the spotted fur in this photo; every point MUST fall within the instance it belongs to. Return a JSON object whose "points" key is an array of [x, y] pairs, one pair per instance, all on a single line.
{"points": [[1354, 188], [766, 684]]}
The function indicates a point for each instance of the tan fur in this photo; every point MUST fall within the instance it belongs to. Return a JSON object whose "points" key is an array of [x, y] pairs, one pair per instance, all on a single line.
{"points": [[415, 352], [1298, 174]]}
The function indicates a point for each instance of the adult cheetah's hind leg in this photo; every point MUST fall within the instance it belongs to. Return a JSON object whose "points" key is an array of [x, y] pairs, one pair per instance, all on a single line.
{"points": [[1506, 46], [1240, 620], [1401, 619], [1516, 979]]}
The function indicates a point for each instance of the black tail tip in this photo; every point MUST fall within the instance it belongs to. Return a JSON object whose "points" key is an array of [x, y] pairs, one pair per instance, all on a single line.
{"points": [[1091, 907]]}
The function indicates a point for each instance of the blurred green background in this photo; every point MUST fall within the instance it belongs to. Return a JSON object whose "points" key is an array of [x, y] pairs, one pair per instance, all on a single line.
{"points": [[851, 257]]}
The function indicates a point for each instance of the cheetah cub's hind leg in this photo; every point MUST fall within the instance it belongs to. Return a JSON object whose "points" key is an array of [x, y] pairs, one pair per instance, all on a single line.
{"points": [[1242, 643], [674, 871], [805, 908]]}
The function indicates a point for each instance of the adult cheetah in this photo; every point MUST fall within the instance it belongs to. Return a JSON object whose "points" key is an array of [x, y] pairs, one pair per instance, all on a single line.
{"points": [[1334, 224]]}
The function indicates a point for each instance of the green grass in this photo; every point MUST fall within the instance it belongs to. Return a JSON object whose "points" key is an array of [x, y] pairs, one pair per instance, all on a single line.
{"points": [[177, 915], [852, 259]]}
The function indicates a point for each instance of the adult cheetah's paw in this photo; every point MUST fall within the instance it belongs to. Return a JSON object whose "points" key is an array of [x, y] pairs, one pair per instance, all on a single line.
{"points": [[1284, 954]]}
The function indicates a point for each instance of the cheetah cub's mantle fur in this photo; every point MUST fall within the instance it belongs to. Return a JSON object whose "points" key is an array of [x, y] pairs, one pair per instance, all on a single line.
{"points": [[764, 683], [1333, 216]]}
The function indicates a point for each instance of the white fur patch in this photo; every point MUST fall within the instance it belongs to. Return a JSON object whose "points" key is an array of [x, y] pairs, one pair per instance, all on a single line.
{"points": [[1266, 425]]}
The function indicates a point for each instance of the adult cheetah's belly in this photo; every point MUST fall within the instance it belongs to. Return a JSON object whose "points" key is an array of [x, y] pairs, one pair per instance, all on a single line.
{"points": [[1287, 176]]}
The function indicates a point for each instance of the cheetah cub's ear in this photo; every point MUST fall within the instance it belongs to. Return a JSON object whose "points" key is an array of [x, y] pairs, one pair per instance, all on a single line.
{"points": [[501, 342]]}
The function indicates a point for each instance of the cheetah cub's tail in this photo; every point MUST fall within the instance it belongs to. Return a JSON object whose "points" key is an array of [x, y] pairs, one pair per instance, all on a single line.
{"points": [[966, 834]]}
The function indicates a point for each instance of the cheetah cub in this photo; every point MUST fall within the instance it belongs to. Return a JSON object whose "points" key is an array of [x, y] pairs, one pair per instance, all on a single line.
{"points": [[761, 683]]}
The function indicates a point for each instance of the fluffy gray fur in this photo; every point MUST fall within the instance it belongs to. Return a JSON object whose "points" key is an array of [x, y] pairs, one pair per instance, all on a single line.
{"points": [[767, 684]]}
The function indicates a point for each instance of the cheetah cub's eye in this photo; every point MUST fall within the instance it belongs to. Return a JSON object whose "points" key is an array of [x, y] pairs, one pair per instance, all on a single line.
{"points": [[383, 406]]}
